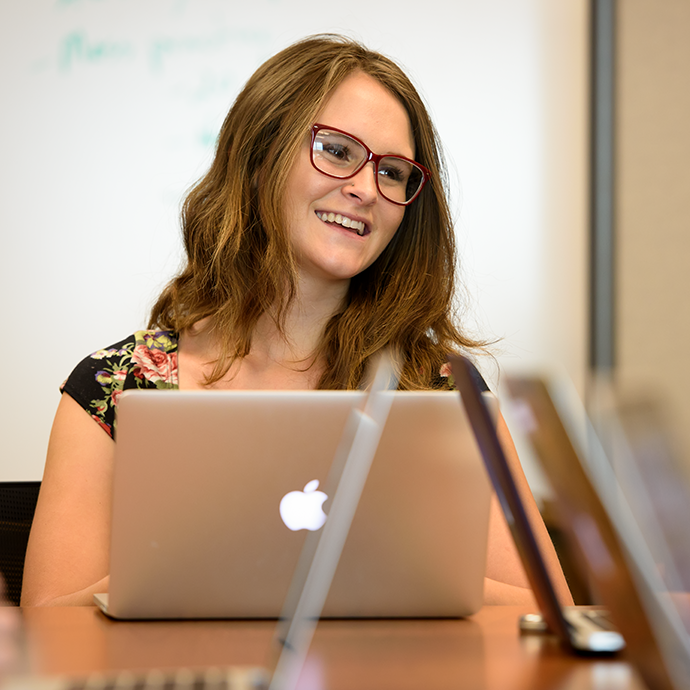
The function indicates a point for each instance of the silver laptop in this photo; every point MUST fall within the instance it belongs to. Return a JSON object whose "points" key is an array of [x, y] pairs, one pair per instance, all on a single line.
{"points": [[580, 629], [214, 493], [616, 485]]}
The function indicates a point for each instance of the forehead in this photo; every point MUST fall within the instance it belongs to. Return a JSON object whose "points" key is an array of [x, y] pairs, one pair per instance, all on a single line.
{"points": [[362, 106]]}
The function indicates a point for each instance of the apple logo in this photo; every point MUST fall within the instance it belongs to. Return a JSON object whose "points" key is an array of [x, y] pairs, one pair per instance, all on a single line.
{"points": [[303, 509]]}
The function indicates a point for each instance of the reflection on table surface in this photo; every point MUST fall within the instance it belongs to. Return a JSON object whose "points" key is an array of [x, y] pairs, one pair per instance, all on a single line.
{"points": [[484, 652]]}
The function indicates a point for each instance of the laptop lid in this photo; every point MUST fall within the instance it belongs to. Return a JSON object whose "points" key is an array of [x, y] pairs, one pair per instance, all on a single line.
{"points": [[653, 517], [199, 478], [597, 521], [508, 496], [578, 630]]}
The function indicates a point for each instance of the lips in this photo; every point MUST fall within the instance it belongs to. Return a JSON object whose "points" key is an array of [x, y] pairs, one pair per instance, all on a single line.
{"points": [[355, 226]]}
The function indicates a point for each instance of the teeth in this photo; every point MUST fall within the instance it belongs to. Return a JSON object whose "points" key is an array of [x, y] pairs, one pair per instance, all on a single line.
{"points": [[346, 222]]}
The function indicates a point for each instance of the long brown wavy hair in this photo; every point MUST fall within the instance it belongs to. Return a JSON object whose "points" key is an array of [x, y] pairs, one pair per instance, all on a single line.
{"points": [[239, 260]]}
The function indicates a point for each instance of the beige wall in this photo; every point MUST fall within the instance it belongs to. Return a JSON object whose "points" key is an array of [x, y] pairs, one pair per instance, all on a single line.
{"points": [[653, 202]]}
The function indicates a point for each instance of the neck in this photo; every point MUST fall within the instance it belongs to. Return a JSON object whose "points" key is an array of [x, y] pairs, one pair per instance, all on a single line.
{"points": [[304, 323], [277, 359]]}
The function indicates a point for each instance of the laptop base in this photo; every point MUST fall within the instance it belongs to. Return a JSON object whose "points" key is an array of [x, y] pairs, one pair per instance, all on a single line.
{"points": [[591, 631]]}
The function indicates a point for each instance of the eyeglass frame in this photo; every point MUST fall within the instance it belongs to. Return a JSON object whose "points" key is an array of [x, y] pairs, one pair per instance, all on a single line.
{"points": [[371, 156]]}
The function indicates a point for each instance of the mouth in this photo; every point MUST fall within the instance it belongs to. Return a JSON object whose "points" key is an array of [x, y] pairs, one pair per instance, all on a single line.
{"points": [[355, 226]]}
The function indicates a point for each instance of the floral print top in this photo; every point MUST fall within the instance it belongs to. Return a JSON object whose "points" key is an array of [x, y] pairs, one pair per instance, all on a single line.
{"points": [[147, 359]]}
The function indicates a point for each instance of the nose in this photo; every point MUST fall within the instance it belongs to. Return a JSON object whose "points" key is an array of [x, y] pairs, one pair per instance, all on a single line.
{"points": [[362, 186]]}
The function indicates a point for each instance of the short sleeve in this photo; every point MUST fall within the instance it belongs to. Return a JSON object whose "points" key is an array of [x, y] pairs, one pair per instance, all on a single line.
{"points": [[146, 359], [447, 375]]}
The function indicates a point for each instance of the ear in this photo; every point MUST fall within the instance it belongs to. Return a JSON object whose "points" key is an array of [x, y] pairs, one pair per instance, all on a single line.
{"points": [[259, 176]]}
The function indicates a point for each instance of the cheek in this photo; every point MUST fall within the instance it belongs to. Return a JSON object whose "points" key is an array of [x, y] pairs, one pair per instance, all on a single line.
{"points": [[306, 187], [393, 220], [300, 178]]}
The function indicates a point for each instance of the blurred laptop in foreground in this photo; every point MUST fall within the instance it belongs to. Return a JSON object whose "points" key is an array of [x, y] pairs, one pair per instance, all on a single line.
{"points": [[624, 525], [580, 629]]}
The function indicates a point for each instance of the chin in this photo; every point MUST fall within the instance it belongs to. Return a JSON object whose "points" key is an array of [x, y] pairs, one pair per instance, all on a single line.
{"points": [[341, 271], [347, 273]]}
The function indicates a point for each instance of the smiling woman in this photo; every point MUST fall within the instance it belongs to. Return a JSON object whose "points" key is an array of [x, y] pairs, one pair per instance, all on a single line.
{"points": [[307, 255]]}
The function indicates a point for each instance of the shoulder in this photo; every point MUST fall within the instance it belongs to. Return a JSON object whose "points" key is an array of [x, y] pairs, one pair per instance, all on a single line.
{"points": [[147, 355], [154, 358], [145, 359]]}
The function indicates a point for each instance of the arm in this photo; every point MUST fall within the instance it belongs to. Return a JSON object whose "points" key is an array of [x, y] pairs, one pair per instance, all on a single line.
{"points": [[9, 634], [506, 581], [67, 558]]}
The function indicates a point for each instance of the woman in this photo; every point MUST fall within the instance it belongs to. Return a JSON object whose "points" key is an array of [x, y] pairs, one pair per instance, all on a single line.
{"points": [[306, 255]]}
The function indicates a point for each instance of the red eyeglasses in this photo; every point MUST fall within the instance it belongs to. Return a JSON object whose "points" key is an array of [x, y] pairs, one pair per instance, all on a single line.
{"points": [[341, 155]]}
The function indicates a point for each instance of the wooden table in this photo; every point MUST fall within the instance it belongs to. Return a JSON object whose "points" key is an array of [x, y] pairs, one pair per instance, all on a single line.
{"points": [[482, 652]]}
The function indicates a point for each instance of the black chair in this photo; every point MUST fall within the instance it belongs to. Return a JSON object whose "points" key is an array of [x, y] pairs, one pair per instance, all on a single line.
{"points": [[17, 507]]}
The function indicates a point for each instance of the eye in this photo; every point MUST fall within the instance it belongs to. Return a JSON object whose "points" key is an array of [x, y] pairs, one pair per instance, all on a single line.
{"points": [[336, 151], [394, 171]]}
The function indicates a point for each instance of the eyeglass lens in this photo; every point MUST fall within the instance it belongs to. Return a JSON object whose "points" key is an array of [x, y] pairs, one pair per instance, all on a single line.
{"points": [[342, 156]]}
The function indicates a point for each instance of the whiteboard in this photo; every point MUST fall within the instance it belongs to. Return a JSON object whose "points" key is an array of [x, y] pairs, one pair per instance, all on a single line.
{"points": [[110, 112]]}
